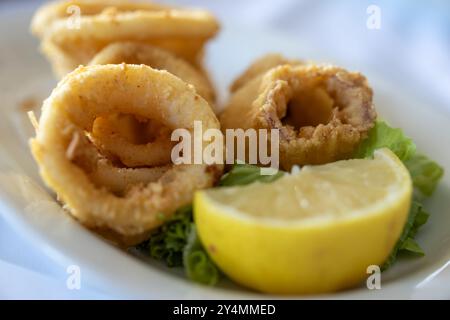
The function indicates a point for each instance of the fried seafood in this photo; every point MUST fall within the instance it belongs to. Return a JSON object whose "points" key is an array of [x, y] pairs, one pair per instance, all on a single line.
{"points": [[57, 10], [259, 67], [73, 38], [122, 135], [99, 192], [322, 111], [137, 53]]}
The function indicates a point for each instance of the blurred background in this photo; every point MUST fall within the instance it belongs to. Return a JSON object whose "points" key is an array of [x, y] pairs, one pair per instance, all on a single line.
{"points": [[410, 43], [406, 42]]}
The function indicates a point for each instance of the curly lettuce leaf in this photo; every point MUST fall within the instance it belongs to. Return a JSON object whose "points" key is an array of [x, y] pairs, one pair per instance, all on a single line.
{"points": [[197, 264], [384, 136], [176, 243], [425, 174], [416, 218], [243, 174], [168, 242]]}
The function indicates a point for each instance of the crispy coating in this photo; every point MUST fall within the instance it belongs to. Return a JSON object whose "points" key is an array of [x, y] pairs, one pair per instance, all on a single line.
{"points": [[322, 111], [133, 203], [69, 41], [142, 143], [157, 58], [56, 10]]}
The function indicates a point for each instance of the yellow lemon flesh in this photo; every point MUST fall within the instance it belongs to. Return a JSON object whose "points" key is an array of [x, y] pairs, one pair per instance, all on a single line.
{"points": [[310, 232]]}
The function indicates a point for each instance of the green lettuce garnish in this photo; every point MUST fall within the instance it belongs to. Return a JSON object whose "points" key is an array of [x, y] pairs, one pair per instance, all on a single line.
{"points": [[416, 218], [243, 174], [384, 136], [425, 174], [199, 267], [168, 242], [176, 243]]}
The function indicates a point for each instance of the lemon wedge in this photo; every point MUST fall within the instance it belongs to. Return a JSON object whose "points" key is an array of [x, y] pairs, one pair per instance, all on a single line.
{"points": [[311, 232]]}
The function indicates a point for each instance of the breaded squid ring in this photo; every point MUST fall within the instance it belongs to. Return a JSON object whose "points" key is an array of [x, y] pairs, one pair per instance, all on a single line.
{"points": [[322, 112], [157, 58], [106, 132], [56, 10], [259, 67], [95, 91], [68, 42]]}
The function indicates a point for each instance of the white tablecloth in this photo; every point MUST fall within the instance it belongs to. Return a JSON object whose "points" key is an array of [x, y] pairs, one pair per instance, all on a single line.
{"points": [[412, 47]]}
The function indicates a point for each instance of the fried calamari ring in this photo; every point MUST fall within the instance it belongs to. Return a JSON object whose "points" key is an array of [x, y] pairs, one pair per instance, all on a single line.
{"points": [[322, 112], [118, 180], [68, 43], [96, 91], [52, 11], [261, 66], [157, 58], [131, 147]]}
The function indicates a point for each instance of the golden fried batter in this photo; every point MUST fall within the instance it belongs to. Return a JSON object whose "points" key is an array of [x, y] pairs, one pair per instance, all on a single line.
{"points": [[69, 40], [261, 66], [96, 191], [157, 58], [322, 111]]}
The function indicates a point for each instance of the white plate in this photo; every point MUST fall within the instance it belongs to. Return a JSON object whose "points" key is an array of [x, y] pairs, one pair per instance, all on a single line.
{"points": [[32, 211]]}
